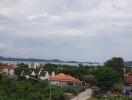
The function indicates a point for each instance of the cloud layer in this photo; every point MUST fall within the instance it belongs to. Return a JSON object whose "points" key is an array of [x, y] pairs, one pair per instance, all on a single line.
{"points": [[71, 30]]}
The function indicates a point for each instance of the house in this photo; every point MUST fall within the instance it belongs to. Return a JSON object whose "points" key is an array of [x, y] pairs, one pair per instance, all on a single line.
{"points": [[127, 91], [65, 80], [2, 69], [43, 75], [11, 71], [128, 77], [37, 72], [7, 69], [26, 74], [51, 74]]}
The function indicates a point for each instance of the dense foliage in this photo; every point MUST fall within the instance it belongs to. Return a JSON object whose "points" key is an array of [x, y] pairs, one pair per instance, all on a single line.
{"points": [[98, 96], [21, 68], [116, 63], [67, 69], [31, 89], [106, 77]]}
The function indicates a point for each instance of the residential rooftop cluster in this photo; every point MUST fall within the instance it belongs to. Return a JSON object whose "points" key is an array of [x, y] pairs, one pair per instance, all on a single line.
{"points": [[108, 79]]}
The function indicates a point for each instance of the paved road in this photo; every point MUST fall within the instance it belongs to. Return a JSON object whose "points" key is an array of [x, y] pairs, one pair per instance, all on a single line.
{"points": [[84, 95]]}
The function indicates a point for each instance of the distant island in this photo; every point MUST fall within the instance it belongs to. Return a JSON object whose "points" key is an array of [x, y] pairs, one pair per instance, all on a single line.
{"points": [[41, 60], [128, 63]]}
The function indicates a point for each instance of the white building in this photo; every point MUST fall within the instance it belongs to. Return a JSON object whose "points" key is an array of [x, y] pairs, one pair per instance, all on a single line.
{"points": [[8, 70], [43, 75]]}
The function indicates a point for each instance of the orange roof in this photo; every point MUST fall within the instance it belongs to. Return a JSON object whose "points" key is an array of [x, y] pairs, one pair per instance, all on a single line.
{"points": [[65, 78], [7, 67]]}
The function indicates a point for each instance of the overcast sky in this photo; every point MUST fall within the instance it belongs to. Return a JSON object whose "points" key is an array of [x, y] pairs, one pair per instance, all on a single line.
{"points": [[83, 30]]}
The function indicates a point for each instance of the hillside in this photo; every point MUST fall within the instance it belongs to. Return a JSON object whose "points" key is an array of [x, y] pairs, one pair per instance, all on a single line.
{"points": [[28, 59], [40, 60], [128, 63]]}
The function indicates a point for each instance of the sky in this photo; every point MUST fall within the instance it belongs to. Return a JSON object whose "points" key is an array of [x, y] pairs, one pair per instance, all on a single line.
{"points": [[82, 30]]}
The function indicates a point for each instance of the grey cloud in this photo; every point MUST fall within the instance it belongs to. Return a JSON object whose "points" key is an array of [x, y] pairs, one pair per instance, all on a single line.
{"points": [[67, 29]]}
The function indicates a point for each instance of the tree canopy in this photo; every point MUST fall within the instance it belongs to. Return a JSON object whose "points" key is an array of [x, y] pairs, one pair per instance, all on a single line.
{"points": [[116, 63], [106, 77], [23, 89]]}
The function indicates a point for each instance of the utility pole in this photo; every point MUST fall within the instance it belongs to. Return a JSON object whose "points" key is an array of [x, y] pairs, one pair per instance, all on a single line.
{"points": [[50, 88], [131, 90], [124, 70], [77, 96]]}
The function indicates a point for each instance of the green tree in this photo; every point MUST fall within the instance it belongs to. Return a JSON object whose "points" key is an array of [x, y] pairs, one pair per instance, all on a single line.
{"points": [[0, 77], [89, 80], [21, 68], [116, 63], [51, 67], [106, 77]]}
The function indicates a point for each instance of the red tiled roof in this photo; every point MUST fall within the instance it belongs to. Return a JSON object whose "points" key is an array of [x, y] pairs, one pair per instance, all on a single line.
{"points": [[65, 78], [3, 67], [7, 67], [12, 65]]}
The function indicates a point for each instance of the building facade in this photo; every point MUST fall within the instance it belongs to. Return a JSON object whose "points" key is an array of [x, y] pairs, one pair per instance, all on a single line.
{"points": [[65, 80], [43, 75]]}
